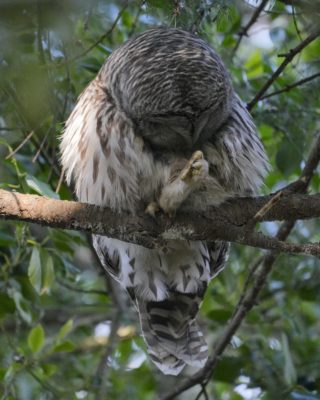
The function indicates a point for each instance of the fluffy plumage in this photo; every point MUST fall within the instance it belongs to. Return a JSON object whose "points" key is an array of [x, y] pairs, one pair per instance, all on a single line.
{"points": [[162, 125]]}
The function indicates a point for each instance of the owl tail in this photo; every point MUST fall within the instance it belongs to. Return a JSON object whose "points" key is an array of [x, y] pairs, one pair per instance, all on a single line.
{"points": [[173, 337]]}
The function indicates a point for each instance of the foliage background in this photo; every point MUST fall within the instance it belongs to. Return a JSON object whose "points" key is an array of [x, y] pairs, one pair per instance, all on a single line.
{"points": [[66, 331]]}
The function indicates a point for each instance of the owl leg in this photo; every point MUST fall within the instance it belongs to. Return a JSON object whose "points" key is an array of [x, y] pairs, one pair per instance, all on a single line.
{"points": [[178, 188]]}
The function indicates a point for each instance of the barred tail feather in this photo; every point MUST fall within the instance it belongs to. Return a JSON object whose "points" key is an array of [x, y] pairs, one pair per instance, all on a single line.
{"points": [[173, 337]]}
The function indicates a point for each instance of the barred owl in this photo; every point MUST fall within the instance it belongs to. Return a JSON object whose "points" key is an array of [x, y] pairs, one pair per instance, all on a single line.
{"points": [[160, 128]]}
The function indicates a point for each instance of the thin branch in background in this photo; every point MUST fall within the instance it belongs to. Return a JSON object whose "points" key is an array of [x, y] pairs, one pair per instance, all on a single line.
{"points": [[294, 17], [60, 181], [25, 140], [292, 86], [203, 392], [136, 20], [244, 30], [252, 270], [39, 150], [288, 57], [98, 41], [103, 370], [249, 298], [6, 128], [92, 4], [22, 114]]}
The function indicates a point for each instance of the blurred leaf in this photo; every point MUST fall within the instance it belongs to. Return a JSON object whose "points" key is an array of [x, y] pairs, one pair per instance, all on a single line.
{"points": [[47, 272], [285, 163], [254, 65], [290, 373], [6, 305], [228, 369], [41, 187], [65, 329], [22, 305], [36, 339], [34, 270], [64, 347], [41, 270], [49, 369]]}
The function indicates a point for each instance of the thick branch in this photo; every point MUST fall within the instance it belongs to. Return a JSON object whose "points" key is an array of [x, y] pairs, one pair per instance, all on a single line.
{"points": [[228, 222]]}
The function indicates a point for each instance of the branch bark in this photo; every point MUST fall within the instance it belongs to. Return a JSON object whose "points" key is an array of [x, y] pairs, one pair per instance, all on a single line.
{"points": [[228, 222]]}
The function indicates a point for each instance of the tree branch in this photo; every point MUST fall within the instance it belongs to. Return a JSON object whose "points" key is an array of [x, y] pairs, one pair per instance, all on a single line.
{"points": [[228, 222], [292, 86], [245, 29], [287, 59], [98, 41]]}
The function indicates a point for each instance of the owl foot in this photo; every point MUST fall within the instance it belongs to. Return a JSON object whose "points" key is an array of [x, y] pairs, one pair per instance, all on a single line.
{"points": [[178, 189], [195, 169], [152, 208]]}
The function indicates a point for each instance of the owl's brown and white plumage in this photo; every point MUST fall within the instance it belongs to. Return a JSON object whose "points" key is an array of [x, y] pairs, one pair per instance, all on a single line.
{"points": [[160, 125]]}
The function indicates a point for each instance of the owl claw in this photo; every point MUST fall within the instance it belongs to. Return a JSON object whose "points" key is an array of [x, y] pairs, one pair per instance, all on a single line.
{"points": [[152, 209], [177, 190], [196, 167]]}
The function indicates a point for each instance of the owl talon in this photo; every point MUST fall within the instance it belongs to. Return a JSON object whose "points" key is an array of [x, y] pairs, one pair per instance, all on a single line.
{"points": [[178, 189], [196, 167], [152, 209]]}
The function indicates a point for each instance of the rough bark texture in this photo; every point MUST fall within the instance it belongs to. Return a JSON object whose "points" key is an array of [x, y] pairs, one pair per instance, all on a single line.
{"points": [[232, 221]]}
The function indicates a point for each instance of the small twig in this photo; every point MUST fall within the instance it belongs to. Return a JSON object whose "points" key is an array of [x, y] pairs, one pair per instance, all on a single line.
{"points": [[102, 371], [244, 31], [288, 58], [252, 270], [25, 140], [39, 150], [267, 207], [292, 86], [98, 41], [296, 23], [264, 210], [101, 374], [60, 181], [203, 392]]}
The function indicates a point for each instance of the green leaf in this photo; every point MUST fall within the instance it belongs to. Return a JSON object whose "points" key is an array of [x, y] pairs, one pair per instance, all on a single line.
{"points": [[36, 339], [49, 369], [21, 305], [34, 270], [290, 373], [41, 187], [65, 329], [285, 163], [41, 270], [6, 305], [47, 272], [254, 65], [64, 347]]}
